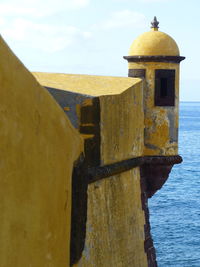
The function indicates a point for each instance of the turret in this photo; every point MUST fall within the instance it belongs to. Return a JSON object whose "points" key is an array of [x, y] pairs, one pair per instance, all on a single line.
{"points": [[154, 56]]}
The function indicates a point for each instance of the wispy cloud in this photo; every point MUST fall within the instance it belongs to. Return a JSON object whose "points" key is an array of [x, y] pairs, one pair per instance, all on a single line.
{"points": [[49, 38], [24, 21], [38, 8], [122, 19], [20, 20]]}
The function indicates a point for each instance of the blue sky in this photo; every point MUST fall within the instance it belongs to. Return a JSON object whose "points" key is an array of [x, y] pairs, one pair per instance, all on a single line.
{"points": [[92, 36]]}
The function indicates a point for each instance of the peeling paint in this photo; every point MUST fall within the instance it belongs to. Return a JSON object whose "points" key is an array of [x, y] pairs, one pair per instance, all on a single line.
{"points": [[173, 130], [161, 123]]}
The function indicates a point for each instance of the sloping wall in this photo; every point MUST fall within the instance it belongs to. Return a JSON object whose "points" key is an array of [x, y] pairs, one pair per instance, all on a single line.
{"points": [[38, 147]]}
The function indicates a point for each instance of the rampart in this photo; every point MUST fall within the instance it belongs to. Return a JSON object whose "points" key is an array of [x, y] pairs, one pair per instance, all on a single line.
{"points": [[81, 155]]}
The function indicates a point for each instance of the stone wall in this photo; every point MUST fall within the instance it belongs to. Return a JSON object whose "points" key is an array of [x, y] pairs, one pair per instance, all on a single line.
{"points": [[38, 148]]}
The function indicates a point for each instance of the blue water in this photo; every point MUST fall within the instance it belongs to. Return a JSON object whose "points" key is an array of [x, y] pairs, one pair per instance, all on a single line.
{"points": [[175, 209]]}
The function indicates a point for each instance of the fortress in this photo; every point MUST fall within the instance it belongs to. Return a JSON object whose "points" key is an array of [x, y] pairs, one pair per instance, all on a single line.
{"points": [[81, 155]]}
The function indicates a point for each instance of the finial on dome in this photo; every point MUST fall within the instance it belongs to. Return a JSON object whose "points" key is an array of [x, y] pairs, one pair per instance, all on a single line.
{"points": [[154, 24]]}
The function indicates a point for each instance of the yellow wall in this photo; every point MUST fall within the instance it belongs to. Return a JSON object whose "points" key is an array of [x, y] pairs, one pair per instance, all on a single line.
{"points": [[122, 124], [115, 219], [90, 85], [38, 147], [115, 223], [161, 123]]}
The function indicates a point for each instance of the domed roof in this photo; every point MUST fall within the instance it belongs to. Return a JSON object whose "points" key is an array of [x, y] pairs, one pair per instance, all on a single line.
{"points": [[154, 43]]}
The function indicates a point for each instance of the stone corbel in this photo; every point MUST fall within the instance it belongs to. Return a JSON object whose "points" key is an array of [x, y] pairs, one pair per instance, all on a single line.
{"points": [[155, 172]]}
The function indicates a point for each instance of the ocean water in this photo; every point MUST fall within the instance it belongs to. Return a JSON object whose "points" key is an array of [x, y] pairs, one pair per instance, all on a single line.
{"points": [[175, 209]]}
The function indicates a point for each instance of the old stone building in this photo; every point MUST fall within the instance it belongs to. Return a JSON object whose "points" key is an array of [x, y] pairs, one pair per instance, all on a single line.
{"points": [[81, 155]]}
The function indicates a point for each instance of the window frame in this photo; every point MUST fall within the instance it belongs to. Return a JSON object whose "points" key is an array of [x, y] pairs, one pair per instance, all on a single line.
{"points": [[164, 95]]}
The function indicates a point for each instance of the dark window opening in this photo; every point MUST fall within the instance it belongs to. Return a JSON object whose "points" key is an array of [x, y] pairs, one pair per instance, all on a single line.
{"points": [[164, 87], [137, 73]]}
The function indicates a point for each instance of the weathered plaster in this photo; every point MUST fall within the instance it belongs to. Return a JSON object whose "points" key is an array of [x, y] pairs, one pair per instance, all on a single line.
{"points": [[122, 124], [115, 225], [117, 120], [161, 123], [70, 102], [154, 43], [90, 85], [38, 147], [115, 220]]}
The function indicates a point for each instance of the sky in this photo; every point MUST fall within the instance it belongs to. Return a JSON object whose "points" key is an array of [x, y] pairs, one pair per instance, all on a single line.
{"points": [[92, 36]]}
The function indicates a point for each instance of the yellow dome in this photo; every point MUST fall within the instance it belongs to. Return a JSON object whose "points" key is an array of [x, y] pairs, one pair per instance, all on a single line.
{"points": [[154, 43]]}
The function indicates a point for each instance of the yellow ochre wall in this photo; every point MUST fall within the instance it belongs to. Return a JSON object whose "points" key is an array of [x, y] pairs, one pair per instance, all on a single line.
{"points": [[38, 147], [115, 223], [115, 219], [122, 124], [161, 123]]}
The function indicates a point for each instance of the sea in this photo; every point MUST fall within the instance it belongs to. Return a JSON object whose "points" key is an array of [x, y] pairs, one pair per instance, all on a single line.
{"points": [[175, 209]]}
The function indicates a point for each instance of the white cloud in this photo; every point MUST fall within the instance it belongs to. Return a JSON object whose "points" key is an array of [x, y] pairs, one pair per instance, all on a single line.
{"points": [[38, 8], [46, 37], [143, 1], [19, 22], [124, 18]]}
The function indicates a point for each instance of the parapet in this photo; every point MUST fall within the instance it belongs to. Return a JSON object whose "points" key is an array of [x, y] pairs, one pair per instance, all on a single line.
{"points": [[82, 154]]}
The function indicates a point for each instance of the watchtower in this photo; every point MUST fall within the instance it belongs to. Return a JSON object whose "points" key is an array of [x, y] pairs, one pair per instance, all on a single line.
{"points": [[155, 57]]}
